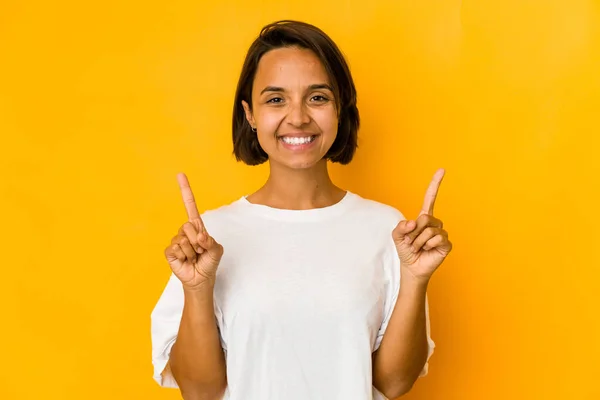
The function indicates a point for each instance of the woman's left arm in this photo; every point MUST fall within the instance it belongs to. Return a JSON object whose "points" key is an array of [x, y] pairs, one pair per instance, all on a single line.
{"points": [[403, 351], [422, 246]]}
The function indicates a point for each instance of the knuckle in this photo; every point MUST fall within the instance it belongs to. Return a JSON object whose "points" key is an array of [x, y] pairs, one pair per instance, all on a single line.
{"points": [[176, 251]]}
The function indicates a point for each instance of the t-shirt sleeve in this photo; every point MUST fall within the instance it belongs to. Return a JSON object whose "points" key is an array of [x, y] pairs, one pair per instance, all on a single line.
{"points": [[392, 275], [165, 319]]}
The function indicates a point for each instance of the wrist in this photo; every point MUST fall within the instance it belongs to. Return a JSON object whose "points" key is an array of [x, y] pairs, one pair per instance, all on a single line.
{"points": [[201, 290], [199, 283], [415, 281]]}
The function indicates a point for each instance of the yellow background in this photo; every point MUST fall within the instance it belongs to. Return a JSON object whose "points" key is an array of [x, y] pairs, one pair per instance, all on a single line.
{"points": [[102, 103]]}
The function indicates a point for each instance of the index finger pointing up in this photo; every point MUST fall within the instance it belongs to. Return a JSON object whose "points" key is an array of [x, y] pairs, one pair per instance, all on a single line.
{"points": [[188, 197], [432, 192]]}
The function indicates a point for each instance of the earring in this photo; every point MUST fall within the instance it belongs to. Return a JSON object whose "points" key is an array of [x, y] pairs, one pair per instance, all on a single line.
{"points": [[253, 129]]}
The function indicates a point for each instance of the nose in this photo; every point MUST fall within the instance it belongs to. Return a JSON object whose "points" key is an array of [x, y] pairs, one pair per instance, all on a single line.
{"points": [[298, 114]]}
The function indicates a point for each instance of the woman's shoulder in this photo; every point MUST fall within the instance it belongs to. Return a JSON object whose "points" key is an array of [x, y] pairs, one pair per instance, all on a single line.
{"points": [[225, 210], [377, 209]]}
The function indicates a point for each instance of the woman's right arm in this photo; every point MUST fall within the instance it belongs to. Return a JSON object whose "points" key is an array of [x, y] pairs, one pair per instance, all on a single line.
{"points": [[197, 361]]}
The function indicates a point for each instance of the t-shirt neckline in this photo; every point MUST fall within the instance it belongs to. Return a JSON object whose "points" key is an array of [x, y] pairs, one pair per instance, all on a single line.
{"points": [[313, 214]]}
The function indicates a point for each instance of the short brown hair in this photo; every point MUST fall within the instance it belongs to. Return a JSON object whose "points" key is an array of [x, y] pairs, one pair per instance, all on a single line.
{"points": [[289, 33]]}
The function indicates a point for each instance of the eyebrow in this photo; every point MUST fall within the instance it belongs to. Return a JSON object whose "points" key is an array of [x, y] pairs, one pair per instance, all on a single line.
{"points": [[311, 87]]}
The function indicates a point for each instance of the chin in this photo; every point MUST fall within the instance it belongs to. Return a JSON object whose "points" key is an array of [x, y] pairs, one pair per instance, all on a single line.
{"points": [[299, 164]]}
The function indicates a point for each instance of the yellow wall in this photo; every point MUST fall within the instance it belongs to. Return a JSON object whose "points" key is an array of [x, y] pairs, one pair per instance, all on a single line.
{"points": [[102, 104]]}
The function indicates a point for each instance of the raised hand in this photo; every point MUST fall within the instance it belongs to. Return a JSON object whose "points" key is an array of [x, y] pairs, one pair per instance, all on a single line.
{"points": [[193, 254], [423, 244]]}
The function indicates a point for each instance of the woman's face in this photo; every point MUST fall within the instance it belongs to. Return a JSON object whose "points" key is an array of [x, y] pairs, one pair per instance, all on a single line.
{"points": [[294, 109]]}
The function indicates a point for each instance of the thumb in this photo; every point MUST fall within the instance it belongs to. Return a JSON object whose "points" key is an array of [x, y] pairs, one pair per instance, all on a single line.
{"points": [[403, 228]]}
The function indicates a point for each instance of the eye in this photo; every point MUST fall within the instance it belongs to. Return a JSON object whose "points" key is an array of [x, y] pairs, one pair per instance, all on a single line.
{"points": [[275, 100], [320, 98]]}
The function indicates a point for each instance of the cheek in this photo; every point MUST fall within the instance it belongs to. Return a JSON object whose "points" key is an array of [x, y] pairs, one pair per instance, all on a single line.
{"points": [[328, 123], [267, 124], [269, 120]]}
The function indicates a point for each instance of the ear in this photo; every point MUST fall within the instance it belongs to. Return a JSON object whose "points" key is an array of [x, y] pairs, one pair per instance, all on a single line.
{"points": [[249, 116]]}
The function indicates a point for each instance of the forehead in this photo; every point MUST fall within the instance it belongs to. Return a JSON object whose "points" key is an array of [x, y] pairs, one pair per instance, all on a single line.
{"points": [[289, 66]]}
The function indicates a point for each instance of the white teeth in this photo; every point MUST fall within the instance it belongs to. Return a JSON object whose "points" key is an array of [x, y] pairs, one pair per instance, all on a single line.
{"points": [[297, 140]]}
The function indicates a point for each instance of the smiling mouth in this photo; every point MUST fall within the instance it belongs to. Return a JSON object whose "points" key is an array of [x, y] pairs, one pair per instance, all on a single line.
{"points": [[297, 141]]}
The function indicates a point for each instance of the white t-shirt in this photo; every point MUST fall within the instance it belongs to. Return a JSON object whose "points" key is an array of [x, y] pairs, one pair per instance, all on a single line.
{"points": [[302, 299]]}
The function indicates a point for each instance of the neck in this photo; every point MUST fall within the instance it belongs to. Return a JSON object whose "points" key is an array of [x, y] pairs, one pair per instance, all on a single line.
{"points": [[298, 189]]}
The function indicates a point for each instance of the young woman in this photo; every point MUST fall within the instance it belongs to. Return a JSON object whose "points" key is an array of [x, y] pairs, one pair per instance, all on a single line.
{"points": [[286, 293]]}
